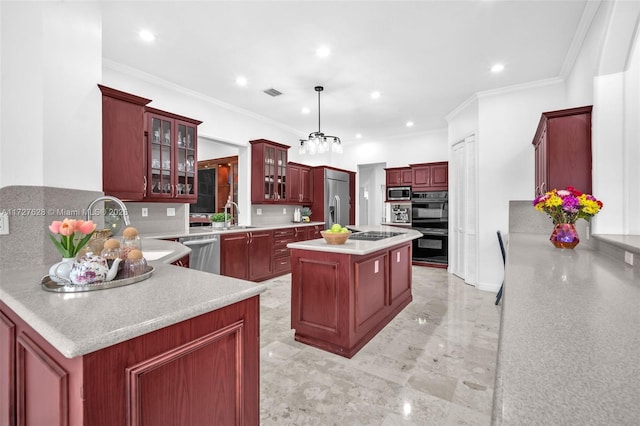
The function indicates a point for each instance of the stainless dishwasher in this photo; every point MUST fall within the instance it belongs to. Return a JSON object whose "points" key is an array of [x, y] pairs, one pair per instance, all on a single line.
{"points": [[205, 252]]}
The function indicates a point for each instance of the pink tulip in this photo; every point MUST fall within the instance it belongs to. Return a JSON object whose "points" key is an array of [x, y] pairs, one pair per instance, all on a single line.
{"points": [[86, 227], [68, 227], [55, 226]]}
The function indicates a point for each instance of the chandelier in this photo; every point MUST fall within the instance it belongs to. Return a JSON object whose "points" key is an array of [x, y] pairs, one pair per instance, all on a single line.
{"points": [[318, 142]]}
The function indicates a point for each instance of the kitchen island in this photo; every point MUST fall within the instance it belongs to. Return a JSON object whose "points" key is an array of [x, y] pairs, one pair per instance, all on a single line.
{"points": [[343, 295], [177, 348]]}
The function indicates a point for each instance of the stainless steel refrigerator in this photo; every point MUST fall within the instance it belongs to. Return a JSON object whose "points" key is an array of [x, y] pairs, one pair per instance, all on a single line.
{"points": [[336, 197]]}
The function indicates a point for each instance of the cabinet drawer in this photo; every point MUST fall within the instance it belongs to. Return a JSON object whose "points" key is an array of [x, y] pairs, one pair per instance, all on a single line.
{"points": [[281, 251], [282, 265], [280, 233]]}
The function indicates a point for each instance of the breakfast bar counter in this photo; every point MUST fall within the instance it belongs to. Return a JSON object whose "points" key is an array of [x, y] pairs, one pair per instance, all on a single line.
{"points": [[343, 295], [569, 336], [114, 356]]}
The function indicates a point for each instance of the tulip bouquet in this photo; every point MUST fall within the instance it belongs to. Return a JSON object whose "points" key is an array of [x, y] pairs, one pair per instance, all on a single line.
{"points": [[74, 234]]}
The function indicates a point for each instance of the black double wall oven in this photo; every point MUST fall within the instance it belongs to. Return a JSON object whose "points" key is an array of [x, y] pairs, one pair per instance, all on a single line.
{"points": [[430, 216]]}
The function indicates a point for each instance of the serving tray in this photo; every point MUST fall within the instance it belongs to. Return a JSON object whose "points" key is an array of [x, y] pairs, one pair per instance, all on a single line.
{"points": [[49, 285]]}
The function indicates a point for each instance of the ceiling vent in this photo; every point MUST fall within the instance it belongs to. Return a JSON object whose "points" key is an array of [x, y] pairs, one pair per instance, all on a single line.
{"points": [[272, 92]]}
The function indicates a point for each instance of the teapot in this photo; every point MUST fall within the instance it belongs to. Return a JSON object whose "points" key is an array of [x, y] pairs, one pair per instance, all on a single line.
{"points": [[87, 269]]}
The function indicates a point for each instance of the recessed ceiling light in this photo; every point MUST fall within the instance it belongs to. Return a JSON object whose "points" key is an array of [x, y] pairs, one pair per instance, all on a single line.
{"points": [[147, 35], [358, 135], [375, 95], [497, 68], [323, 51], [409, 123], [241, 81], [306, 110]]}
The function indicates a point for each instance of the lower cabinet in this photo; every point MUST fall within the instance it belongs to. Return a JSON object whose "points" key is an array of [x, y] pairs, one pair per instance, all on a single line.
{"points": [[341, 301], [202, 371], [261, 255], [247, 255]]}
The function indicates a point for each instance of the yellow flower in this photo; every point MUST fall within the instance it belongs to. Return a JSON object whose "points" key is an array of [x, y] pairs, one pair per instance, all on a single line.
{"points": [[553, 201]]}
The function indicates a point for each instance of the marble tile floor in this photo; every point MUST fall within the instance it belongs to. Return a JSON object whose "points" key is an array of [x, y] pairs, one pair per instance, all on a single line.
{"points": [[434, 364]]}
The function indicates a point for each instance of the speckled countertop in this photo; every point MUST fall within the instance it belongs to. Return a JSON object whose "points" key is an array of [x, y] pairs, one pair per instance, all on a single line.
{"points": [[80, 323], [360, 247], [209, 230], [569, 346]]}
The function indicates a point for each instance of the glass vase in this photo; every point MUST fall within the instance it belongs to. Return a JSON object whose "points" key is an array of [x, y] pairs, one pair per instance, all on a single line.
{"points": [[564, 236]]}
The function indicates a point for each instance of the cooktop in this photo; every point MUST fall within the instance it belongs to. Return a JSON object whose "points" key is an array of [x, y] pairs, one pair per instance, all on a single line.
{"points": [[373, 235]]}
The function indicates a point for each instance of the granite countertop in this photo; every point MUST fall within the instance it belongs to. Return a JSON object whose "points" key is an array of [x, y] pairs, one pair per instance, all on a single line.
{"points": [[569, 336], [208, 230], [360, 247], [80, 323]]}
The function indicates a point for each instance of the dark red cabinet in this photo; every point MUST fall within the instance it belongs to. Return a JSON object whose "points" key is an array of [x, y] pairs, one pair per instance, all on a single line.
{"points": [[399, 176], [247, 255], [299, 183], [204, 370], [268, 172], [147, 154], [563, 150], [430, 176]]}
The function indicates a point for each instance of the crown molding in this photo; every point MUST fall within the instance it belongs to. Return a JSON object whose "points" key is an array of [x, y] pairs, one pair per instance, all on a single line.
{"points": [[579, 36], [136, 73]]}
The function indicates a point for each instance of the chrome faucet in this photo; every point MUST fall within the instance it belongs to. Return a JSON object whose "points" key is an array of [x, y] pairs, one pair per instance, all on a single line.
{"points": [[125, 212], [226, 209]]}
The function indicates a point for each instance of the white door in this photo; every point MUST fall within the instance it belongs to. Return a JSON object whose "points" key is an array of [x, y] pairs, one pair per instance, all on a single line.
{"points": [[464, 211]]}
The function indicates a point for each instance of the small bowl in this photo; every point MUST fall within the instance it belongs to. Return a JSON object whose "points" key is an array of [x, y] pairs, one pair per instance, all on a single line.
{"points": [[335, 238]]}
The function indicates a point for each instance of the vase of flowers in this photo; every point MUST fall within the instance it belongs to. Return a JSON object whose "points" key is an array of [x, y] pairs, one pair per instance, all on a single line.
{"points": [[565, 207], [69, 237]]}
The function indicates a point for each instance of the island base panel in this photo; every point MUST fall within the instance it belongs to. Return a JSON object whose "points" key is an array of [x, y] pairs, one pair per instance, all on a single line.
{"points": [[349, 352], [339, 302]]}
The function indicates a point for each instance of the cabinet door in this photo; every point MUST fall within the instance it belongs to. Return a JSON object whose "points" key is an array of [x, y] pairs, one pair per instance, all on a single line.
{"points": [[314, 232], [371, 279], [260, 255], [439, 176], [124, 164], [421, 176], [301, 233], [406, 177], [161, 158], [393, 177], [234, 251], [281, 175], [7, 371], [541, 165], [399, 272], [306, 196], [185, 172], [294, 191]]}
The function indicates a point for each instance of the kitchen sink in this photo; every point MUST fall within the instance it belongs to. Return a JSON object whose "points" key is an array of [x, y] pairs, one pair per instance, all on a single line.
{"points": [[228, 228]]}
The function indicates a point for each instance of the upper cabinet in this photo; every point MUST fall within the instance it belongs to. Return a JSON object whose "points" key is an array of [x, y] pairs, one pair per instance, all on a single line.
{"points": [[563, 150], [268, 172], [147, 154], [299, 187], [399, 176], [430, 176]]}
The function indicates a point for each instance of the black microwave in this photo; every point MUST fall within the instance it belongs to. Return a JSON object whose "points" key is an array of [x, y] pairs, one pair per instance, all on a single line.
{"points": [[398, 193]]}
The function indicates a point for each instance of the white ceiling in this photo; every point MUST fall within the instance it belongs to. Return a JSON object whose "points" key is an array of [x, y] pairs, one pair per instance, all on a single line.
{"points": [[425, 57]]}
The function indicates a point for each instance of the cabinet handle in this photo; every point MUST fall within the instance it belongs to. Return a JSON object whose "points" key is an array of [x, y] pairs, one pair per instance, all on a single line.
{"points": [[144, 186], [542, 190]]}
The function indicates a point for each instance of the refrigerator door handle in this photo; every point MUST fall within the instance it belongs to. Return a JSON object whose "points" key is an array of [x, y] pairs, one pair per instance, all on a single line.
{"points": [[337, 203]]}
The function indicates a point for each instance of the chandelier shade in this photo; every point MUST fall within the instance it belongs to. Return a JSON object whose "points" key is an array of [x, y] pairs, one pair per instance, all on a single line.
{"points": [[318, 142]]}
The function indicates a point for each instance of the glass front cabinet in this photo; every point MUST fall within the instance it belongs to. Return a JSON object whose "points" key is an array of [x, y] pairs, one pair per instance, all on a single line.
{"points": [[268, 172], [147, 154], [172, 156]]}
